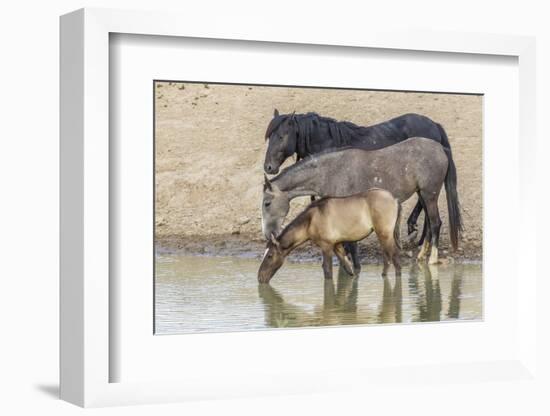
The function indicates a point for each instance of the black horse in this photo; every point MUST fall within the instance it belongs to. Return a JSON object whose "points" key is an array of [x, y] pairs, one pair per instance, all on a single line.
{"points": [[306, 134]]}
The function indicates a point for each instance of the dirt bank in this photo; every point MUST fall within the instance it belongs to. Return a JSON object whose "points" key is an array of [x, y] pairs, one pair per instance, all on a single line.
{"points": [[209, 142]]}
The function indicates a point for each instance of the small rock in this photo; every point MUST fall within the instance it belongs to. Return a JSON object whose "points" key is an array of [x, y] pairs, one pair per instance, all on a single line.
{"points": [[244, 220]]}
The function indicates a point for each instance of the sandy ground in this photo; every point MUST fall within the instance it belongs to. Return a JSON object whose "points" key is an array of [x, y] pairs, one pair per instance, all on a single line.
{"points": [[210, 147]]}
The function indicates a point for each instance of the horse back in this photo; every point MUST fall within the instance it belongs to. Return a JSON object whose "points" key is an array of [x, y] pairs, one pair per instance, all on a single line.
{"points": [[399, 129], [402, 169]]}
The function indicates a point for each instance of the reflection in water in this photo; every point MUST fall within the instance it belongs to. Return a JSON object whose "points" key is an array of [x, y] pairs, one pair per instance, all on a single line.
{"points": [[338, 308], [456, 292], [207, 294], [428, 293], [428, 299], [392, 302]]}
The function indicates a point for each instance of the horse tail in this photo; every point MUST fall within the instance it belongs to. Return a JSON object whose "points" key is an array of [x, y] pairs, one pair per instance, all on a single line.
{"points": [[443, 135], [453, 205], [397, 228]]}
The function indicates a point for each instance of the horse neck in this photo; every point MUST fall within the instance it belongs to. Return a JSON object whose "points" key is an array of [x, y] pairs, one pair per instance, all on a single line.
{"points": [[295, 233], [307, 139], [336, 135], [299, 180]]}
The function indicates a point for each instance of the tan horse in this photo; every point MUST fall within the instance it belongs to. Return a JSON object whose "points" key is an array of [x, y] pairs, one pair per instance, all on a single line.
{"points": [[329, 222]]}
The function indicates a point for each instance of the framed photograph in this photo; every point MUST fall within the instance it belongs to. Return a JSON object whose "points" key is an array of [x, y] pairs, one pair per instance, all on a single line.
{"points": [[237, 208], [208, 261]]}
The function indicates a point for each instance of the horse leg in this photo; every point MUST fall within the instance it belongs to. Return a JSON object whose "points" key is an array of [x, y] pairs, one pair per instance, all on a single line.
{"points": [[413, 218], [425, 226], [391, 255], [432, 212], [424, 232], [327, 262], [387, 242], [352, 250], [426, 243], [396, 260], [344, 261], [386, 263]]}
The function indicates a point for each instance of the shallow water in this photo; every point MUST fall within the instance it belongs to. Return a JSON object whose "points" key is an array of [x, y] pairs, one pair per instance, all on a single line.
{"points": [[220, 294]]}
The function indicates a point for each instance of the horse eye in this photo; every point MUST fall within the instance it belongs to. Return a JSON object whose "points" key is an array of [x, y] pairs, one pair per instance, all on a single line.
{"points": [[266, 204]]}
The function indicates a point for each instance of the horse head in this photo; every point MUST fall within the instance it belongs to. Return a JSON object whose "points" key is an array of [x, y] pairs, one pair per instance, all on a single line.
{"points": [[281, 136], [272, 261], [275, 207]]}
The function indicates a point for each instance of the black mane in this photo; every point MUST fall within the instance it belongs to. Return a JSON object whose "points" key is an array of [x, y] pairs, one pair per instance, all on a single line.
{"points": [[307, 128]]}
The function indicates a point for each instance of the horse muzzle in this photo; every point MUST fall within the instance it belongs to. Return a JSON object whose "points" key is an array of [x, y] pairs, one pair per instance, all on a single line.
{"points": [[271, 169]]}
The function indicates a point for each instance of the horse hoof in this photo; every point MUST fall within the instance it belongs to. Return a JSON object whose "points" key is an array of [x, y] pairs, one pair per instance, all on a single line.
{"points": [[434, 256]]}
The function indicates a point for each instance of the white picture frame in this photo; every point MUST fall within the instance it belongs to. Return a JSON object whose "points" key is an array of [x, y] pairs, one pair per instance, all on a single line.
{"points": [[85, 220]]}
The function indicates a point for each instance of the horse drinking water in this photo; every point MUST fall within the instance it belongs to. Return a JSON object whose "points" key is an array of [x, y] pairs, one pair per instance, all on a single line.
{"points": [[417, 165], [329, 222]]}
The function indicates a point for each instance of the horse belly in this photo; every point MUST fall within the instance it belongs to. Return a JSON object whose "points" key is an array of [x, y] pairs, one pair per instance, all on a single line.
{"points": [[351, 226]]}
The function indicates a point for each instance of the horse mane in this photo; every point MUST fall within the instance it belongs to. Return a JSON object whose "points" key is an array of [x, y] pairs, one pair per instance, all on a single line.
{"points": [[306, 128]]}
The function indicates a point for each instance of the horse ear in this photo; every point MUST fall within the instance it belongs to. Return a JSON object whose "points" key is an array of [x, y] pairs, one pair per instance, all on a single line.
{"points": [[274, 240], [276, 113], [292, 117], [267, 184]]}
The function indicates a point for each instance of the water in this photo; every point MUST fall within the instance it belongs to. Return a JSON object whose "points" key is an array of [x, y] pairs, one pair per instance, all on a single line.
{"points": [[218, 294]]}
